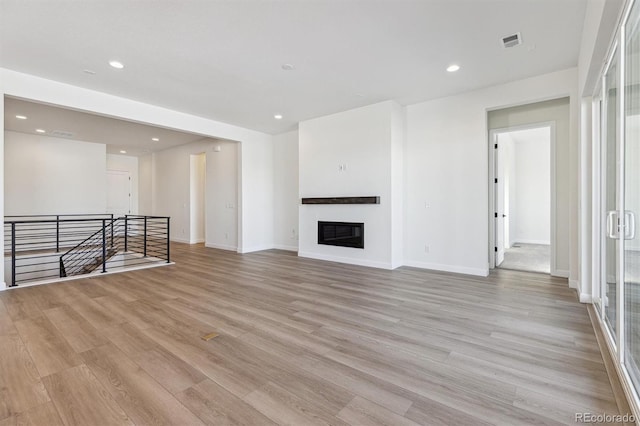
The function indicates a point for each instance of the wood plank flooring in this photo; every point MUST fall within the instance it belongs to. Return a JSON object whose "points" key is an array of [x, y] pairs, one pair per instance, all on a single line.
{"points": [[300, 342]]}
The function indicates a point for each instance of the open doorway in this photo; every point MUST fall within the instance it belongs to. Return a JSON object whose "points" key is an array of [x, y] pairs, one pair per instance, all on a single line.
{"points": [[523, 198], [197, 196]]}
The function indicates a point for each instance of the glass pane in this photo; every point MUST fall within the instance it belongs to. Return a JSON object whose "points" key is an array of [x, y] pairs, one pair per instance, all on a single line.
{"points": [[632, 195], [610, 134]]}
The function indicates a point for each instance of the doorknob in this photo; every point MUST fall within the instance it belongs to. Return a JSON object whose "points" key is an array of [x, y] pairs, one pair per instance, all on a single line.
{"points": [[612, 225], [629, 225]]}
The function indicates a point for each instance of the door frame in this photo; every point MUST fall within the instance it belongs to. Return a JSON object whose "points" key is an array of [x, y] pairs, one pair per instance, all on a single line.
{"points": [[492, 140]]}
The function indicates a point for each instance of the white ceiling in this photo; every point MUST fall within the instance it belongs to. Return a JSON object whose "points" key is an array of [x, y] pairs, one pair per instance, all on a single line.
{"points": [[222, 59], [118, 135]]}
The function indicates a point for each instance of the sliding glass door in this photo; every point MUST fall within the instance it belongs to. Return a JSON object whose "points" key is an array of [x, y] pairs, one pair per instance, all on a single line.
{"points": [[610, 150], [631, 166], [619, 301]]}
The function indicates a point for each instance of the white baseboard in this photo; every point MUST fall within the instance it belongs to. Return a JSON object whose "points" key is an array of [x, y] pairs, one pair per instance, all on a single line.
{"points": [[255, 248], [196, 241], [574, 284], [285, 247], [546, 243], [448, 268], [221, 247], [586, 298], [560, 273], [180, 240], [348, 260]]}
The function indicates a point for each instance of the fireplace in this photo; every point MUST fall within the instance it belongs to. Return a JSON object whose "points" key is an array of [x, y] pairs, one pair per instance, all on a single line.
{"points": [[343, 234]]}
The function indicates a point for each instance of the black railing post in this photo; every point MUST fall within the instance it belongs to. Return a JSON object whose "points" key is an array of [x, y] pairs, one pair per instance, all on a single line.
{"points": [[126, 232], [57, 233], [168, 245], [13, 254], [104, 245], [145, 236], [112, 231]]}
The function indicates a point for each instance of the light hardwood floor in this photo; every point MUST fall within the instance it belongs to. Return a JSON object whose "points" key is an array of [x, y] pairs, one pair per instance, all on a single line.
{"points": [[300, 342]]}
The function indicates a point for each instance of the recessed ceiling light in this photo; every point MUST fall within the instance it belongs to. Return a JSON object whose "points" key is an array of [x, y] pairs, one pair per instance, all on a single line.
{"points": [[40, 131], [116, 64], [453, 68], [288, 67], [21, 117], [278, 116], [155, 139], [122, 151]]}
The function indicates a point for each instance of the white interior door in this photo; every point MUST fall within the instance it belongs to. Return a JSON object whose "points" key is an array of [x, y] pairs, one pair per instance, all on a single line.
{"points": [[118, 193]]}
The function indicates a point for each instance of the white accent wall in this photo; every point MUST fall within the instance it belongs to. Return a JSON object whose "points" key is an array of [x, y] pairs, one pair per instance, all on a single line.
{"points": [[285, 191], [354, 153], [46, 175]]}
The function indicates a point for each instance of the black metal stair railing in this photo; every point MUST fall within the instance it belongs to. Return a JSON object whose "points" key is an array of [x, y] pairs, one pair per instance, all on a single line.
{"points": [[32, 243], [125, 241], [93, 242]]}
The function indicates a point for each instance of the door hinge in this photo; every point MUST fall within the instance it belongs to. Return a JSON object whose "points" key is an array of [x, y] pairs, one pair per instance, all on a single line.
{"points": [[495, 249], [495, 180], [495, 214], [495, 146]]}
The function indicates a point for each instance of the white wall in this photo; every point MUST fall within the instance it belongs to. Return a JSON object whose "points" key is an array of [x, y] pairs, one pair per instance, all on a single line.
{"points": [[600, 21], [446, 162], [127, 163], [256, 149], [529, 191], [172, 191], [222, 196], [364, 140], [45, 175], [197, 176], [145, 185], [285, 187]]}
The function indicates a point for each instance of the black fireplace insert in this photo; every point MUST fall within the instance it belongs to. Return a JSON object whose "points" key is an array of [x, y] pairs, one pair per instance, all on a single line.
{"points": [[343, 234]]}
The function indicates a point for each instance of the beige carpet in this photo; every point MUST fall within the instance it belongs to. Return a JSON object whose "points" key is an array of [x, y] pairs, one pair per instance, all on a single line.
{"points": [[528, 257]]}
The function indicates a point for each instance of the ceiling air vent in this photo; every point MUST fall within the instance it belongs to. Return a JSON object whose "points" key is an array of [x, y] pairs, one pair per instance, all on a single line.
{"points": [[62, 134], [512, 40]]}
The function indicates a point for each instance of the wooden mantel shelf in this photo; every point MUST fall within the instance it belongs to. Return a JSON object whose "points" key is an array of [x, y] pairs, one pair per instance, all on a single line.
{"points": [[342, 200]]}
